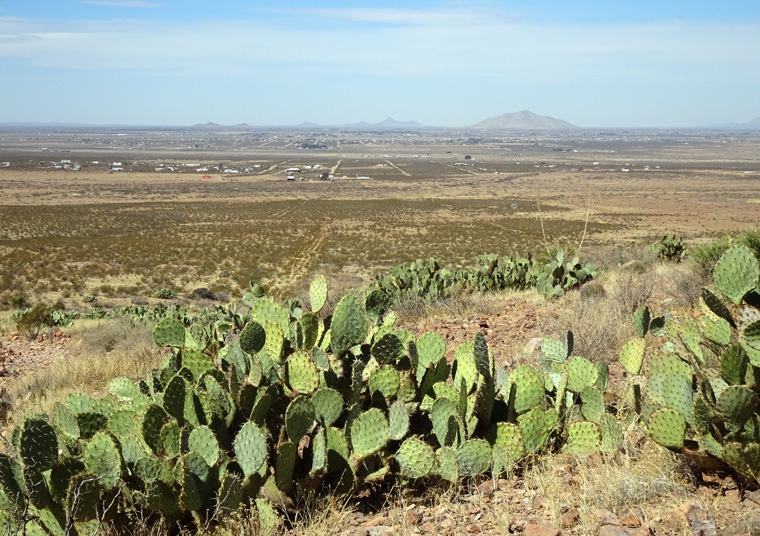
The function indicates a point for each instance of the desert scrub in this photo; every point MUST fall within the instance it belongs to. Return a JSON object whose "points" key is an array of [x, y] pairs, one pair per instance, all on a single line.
{"points": [[31, 322], [165, 294]]}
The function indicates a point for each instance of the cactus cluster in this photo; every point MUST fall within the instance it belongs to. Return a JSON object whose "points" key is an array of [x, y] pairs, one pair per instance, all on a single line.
{"points": [[428, 279], [671, 249], [701, 386], [282, 400], [558, 276]]}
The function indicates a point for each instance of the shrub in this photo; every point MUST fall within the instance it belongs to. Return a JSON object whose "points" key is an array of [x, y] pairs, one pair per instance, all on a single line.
{"points": [[89, 299], [671, 249], [31, 321], [18, 302], [165, 294]]}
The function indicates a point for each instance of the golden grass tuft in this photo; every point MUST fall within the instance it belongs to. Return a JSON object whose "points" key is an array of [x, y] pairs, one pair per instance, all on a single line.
{"points": [[108, 349]]}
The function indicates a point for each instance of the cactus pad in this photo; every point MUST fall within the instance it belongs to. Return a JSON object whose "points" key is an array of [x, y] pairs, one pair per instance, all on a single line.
{"points": [[749, 338], [641, 319], [38, 444], [328, 406], [253, 337], [398, 421], [415, 458], [102, 459], [318, 293], [736, 273], [385, 380], [203, 441], [473, 457], [580, 374], [388, 349], [668, 427], [529, 388], [737, 403], [430, 349], [667, 363], [446, 464], [593, 404], [349, 327], [582, 438], [169, 332], [303, 376], [369, 433], [733, 365], [123, 388], [299, 418], [250, 448], [632, 356]]}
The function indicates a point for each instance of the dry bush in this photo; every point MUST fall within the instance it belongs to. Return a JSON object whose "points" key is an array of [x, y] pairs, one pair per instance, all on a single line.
{"points": [[634, 257], [107, 350]]}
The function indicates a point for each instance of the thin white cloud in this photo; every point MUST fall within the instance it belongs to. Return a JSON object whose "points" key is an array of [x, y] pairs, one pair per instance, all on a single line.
{"points": [[498, 51], [395, 16], [121, 3]]}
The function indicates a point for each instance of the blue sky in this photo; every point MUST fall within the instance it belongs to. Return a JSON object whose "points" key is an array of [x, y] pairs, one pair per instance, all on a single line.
{"points": [[595, 63]]}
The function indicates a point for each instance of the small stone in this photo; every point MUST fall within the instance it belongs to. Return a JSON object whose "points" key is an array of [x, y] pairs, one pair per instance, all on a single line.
{"points": [[630, 520], [486, 489], [643, 530], [753, 496], [605, 517], [704, 528], [379, 530], [412, 518], [541, 530], [540, 502], [612, 530], [692, 512], [473, 529], [569, 518]]}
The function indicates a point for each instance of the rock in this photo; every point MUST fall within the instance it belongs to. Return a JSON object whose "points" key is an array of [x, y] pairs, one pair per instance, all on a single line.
{"points": [[486, 489], [753, 496], [605, 517], [540, 502], [533, 345], [630, 520], [643, 530], [412, 518], [612, 530], [704, 528], [541, 530], [569, 518], [379, 530], [473, 529], [692, 513]]}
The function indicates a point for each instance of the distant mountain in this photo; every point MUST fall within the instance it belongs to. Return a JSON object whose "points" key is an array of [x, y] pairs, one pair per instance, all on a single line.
{"points": [[523, 120], [754, 124], [387, 124]]}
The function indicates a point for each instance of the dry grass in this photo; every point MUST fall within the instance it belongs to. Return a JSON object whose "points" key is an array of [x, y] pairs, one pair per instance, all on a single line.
{"points": [[108, 349]]}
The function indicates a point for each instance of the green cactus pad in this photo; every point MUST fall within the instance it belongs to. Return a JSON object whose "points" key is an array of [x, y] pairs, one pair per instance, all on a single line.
{"points": [[299, 418], [415, 458], [230, 495], [309, 326], [398, 421], [303, 376], [668, 427], [196, 361], [711, 301], [174, 397], [253, 337], [385, 380], [265, 309], [376, 303], [553, 350], [369, 433], [736, 273], [733, 365], [66, 420], [161, 497], [536, 426], [318, 293], [102, 459], [507, 437], [250, 448], [430, 349], [446, 464], [203, 441], [125, 422], [529, 388], [749, 338], [678, 394], [582, 438], [737, 403], [12, 479], [612, 434], [593, 404], [388, 349], [349, 326], [169, 332], [667, 363], [285, 464], [133, 448], [641, 319], [79, 403], [319, 452], [90, 423], [465, 367], [632, 356], [715, 328], [447, 424], [328, 406], [123, 388], [483, 358], [155, 418], [580, 374], [38, 444], [338, 452], [170, 438], [473, 457], [744, 458]]}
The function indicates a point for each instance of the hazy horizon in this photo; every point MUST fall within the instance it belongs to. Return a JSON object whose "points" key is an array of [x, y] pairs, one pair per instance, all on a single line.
{"points": [[441, 63]]}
